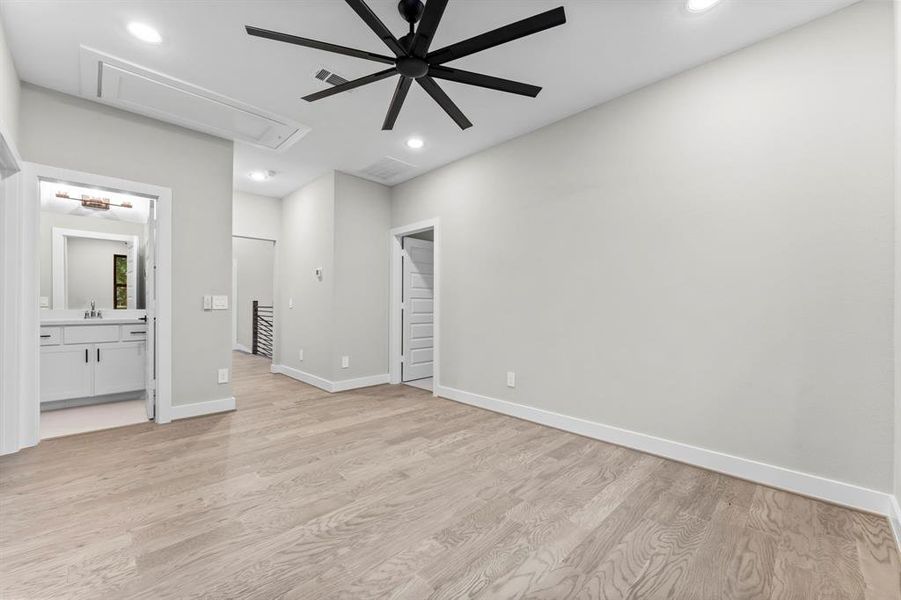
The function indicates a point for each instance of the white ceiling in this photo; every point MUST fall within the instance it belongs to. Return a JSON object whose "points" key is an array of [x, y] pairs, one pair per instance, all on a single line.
{"points": [[606, 49]]}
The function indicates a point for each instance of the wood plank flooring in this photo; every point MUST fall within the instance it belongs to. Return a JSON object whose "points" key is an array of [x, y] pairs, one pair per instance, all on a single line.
{"points": [[387, 492]]}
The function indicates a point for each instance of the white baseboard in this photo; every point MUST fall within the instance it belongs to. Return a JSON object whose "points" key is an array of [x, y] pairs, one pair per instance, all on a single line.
{"points": [[197, 409], [836, 492], [895, 519], [242, 348], [328, 385]]}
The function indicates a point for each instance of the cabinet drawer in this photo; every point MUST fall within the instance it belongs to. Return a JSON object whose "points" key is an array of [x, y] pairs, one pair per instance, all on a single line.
{"points": [[134, 332], [91, 334], [50, 336]]}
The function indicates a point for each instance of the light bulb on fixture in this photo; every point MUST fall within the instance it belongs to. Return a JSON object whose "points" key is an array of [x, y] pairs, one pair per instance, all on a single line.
{"points": [[144, 32], [261, 175], [699, 6], [415, 143]]}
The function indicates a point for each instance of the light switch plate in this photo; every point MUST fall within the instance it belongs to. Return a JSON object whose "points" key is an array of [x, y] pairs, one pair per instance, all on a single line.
{"points": [[511, 379], [45, 302], [207, 303], [290, 302], [300, 354], [345, 362], [220, 302], [223, 375]]}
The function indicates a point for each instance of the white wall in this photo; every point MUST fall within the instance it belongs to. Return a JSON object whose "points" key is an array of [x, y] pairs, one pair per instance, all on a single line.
{"points": [[256, 216], [255, 260], [707, 260], [198, 169], [9, 91], [362, 221]]}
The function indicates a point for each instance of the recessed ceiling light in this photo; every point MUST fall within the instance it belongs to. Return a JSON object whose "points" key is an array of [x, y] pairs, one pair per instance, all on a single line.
{"points": [[698, 6], [261, 175], [145, 33], [415, 143]]}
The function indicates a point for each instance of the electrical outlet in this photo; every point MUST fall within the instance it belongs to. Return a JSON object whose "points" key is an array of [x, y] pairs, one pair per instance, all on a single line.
{"points": [[207, 303], [300, 354], [345, 362], [223, 375], [511, 379]]}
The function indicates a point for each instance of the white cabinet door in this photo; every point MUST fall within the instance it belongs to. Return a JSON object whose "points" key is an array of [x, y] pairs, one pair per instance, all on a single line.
{"points": [[66, 372], [118, 367]]}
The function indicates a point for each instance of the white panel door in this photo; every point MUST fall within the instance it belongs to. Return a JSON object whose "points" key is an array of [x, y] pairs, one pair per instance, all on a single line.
{"points": [[119, 368], [418, 299], [66, 372]]}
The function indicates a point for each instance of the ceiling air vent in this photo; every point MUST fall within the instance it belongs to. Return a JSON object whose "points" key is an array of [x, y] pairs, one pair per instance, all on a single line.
{"points": [[329, 77], [386, 170]]}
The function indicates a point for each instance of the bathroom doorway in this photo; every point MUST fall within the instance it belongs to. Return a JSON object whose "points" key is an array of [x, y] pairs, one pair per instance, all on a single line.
{"points": [[103, 292]]}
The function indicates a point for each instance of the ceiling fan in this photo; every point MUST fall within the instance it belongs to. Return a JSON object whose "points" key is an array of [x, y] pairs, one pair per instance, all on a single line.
{"points": [[412, 59]]}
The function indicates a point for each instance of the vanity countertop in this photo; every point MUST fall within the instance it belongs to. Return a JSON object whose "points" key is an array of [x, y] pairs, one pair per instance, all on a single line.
{"points": [[101, 321]]}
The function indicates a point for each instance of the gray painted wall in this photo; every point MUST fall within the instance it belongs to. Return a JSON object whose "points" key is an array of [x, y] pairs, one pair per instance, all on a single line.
{"points": [[340, 223], [9, 90], [307, 241], [198, 169], [362, 220], [897, 488], [708, 260], [256, 216], [255, 261]]}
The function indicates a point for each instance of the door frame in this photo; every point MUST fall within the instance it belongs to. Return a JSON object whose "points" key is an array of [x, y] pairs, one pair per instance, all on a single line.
{"points": [[28, 345], [395, 320]]}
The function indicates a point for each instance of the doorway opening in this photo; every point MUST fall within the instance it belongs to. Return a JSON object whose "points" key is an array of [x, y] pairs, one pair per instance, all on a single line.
{"points": [[253, 288], [414, 301], [103, 347]]}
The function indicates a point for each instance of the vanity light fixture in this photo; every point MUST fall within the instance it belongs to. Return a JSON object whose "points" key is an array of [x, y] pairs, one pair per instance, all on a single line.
{"points": [[144, 32], [94, 202], [699, 6], [415, 143], [261, 175]]}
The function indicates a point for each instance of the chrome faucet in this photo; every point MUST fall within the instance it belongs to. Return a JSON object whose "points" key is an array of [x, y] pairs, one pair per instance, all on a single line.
{"points": [[93, 314]]}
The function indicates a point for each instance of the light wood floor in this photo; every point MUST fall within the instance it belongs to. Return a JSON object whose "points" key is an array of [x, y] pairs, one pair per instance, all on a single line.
{"points": [[389, 493]]}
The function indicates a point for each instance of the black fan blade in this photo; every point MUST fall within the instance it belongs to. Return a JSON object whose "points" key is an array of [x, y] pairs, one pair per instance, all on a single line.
{"points": [[485, 81], [438, 95], [293, 39], [351, 85], [400, 94], [499, 36], [428, 24], [375, 24]]}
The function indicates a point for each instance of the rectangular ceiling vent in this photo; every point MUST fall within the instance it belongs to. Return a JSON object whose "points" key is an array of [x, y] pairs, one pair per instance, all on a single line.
{"points": [[386, 170], [109, 80], [329, 77]]}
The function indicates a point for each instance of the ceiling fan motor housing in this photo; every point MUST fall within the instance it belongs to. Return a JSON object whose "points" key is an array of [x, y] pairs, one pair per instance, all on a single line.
{"points": [[410, 10]]}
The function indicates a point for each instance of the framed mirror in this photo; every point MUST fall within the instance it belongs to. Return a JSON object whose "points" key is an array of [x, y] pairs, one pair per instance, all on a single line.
{"points": [[93, 266]]}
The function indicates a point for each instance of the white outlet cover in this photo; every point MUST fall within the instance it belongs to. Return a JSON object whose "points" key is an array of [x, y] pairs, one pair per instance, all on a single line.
{"points": [[345, 362], [290, 302], [511, 379], [220, 302], [223, 375], [207, 303], [300, 354]]}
